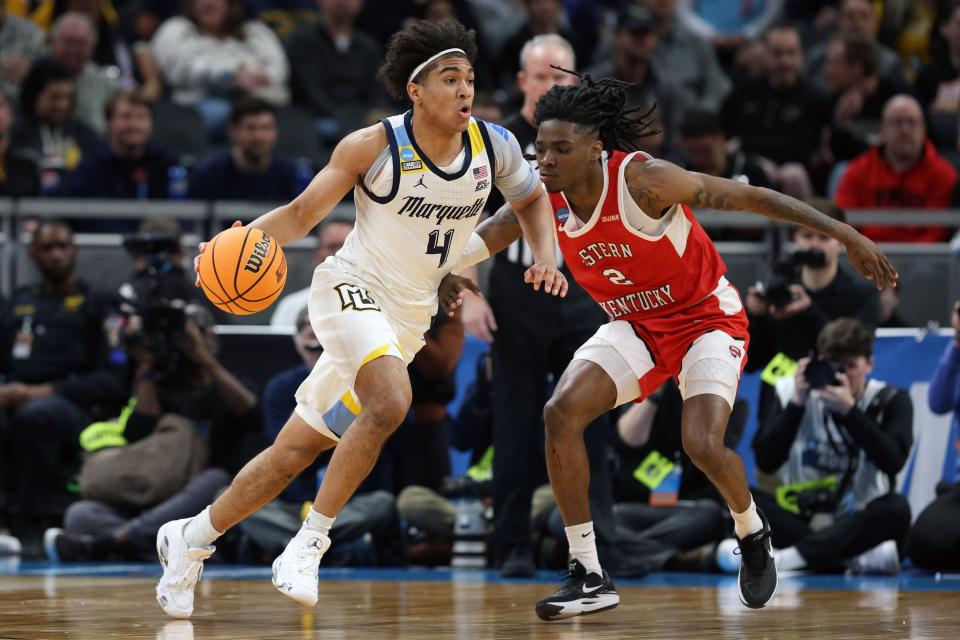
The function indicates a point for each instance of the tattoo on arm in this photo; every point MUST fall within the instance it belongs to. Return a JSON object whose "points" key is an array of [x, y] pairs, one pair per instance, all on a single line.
{"points": [[647, 199], [705, 199], [778, 206]]}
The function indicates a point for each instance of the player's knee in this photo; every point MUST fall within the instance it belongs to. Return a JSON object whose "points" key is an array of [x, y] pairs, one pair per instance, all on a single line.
{"points": [[291, 458], [704, 446], [560, 418], [388, 409]]}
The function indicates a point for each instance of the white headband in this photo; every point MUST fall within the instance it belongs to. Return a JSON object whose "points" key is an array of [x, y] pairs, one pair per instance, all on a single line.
{"points": [[423, 64]]}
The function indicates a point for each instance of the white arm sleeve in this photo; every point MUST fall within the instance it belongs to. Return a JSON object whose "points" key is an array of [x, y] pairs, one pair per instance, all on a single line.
{"points": [[515, 178]]}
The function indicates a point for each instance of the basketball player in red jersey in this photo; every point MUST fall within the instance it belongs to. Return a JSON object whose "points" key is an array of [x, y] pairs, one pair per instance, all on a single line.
{"points": [[626, 230]]}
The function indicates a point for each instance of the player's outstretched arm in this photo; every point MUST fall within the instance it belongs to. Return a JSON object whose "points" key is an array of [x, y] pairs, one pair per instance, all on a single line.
{"points": [[657, 184], [535, 216], [351, 158]]}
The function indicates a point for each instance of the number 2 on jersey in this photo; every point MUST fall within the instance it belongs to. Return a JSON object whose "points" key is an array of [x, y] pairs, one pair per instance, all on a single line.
{"points": [[616, 277], [442, 249]]}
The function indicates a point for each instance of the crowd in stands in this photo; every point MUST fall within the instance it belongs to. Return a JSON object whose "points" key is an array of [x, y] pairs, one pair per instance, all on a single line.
{"points": [[848, 104]]}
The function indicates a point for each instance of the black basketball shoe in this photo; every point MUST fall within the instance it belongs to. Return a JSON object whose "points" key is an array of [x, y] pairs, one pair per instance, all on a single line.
{"points": [[758, 570], [581, 593]]}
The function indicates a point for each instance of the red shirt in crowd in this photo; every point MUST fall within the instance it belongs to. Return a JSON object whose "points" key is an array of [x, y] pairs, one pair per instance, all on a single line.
{"points": [[871, 183]]}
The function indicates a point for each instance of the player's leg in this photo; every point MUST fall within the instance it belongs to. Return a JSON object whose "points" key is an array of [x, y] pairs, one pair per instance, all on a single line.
{"points": [[709, 378], [183, 545], [603, 374], [383, 389]]}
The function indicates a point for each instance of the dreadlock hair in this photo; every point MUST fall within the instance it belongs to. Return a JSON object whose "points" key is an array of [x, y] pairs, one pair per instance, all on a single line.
{"points": [[410, 47], [598, 105]]}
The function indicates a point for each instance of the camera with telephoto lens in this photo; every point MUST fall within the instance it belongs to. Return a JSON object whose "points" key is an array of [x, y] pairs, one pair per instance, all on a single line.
{"points": [[821, 373], [163, 320], [776, 292], [819, 500]]}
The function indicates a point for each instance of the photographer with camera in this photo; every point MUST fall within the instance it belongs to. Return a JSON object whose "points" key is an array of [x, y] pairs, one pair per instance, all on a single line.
{"points": [[55, 377], [807, 291], [836, 441], [934, 541], [189, 426]]}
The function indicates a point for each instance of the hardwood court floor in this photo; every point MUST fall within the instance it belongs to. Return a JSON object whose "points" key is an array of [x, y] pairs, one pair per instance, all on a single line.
{"points": [[55, 607]]}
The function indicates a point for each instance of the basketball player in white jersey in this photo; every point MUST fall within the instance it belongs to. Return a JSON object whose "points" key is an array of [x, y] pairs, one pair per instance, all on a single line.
{"points": [[420, 181]]}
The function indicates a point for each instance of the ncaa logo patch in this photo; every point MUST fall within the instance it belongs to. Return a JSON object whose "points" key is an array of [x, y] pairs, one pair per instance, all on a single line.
{"points": [[563, 214], [735, 351], [407, 154]]}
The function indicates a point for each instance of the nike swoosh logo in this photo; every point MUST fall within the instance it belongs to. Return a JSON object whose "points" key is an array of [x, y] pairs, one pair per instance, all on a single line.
{"points": [[584, 535], [586, 590]]}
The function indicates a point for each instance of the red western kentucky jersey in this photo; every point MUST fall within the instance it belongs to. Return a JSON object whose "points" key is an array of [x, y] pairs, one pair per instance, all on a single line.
{"points": [[631, 275]]}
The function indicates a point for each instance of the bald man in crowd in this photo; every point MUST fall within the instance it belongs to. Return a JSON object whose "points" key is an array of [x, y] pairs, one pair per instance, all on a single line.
{"points": [[903, 171]]}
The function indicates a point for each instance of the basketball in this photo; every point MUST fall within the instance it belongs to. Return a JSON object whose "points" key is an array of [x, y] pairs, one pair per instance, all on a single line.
{"points": [[242, 270]]}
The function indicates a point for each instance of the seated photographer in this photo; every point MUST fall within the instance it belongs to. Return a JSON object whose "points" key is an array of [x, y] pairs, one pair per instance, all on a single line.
{"points": [[56, 376], [178, 379], [158, 272], [368, 520], [934, 541], [664, 505], [836, 441], [807, 291]]}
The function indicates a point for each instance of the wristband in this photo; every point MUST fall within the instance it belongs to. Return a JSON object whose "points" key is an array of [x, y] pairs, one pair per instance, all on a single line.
{"points": [[475, 251]]}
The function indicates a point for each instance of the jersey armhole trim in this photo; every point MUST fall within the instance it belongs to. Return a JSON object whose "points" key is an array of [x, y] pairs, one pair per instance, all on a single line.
{"points": [[395, 160]]}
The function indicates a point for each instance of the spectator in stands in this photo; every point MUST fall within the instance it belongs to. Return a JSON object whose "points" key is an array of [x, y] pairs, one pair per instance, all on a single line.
{"points": [[283, 16], [367, 512], [18, 175], [856, 18], [542, 17], [858, 94], [127, 165], [633, 60], [687, 58], [72, 40], [903, 171], [58, 378], [934, 541], [815, 290], [704, 146], [729, 25], [46, 131], [190, 383], [331, 234], [333, 68], [21, 41], [836, 441], [664, 503], [212, 52], [938, 83], [249, 170], [758, 113]]}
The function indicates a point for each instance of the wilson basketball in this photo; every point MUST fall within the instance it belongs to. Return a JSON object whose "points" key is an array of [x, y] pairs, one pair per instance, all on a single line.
{"points": [[242, 270]]}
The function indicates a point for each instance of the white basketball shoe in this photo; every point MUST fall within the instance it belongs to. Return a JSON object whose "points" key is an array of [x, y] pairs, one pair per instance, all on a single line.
{"points": [[182, 567], [295, 571]]}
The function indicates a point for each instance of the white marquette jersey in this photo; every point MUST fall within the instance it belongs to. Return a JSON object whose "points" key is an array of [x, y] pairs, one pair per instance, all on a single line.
{"points": [[414, 219]]}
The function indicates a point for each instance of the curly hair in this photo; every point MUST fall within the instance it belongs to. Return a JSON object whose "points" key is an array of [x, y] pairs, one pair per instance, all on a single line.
{"points": [[409, 48], [598, 105]]}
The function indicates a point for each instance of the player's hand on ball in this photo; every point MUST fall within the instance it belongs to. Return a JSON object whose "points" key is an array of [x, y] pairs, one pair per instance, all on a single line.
{"points": [[451, 292], [201, 247], [552, 279]]}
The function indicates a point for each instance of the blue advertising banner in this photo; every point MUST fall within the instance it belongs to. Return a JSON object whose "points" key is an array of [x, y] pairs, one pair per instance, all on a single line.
{"points": [[906, 358]]}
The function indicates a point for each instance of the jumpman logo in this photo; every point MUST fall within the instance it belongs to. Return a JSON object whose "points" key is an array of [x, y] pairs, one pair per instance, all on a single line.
{"points": [[420, 183]]}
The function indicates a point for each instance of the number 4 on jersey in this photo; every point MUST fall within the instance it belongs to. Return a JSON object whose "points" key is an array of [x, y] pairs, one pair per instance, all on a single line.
{"points": [[442, 249]]}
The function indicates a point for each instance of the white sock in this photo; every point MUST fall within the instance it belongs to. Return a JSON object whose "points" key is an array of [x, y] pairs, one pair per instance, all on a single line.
{"points": [[747, 522], [318, 522], [199, 531], [789, 559], [583, 546]]}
